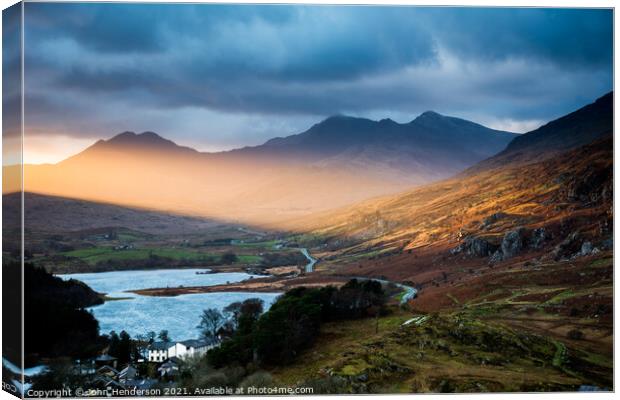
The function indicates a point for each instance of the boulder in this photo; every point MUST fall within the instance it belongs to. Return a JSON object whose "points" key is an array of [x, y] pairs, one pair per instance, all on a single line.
{"points": [[512, 244], [538, 238], [474, 246], [608, 244], [496, 257], [569, 246], [594, 186], [586, 248]]}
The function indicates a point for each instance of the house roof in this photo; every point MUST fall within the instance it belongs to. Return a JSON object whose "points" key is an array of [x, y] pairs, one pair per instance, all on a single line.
{"points": [[194, 343], [105, 357], [107, 368], [168, 365], [127, 370], [161, 345]]}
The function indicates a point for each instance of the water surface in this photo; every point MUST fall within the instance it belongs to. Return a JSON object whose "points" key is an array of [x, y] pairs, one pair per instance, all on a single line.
{"points": [[179, 315]]}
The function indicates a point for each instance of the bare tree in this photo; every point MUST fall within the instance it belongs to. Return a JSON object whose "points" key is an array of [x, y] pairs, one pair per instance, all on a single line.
{"points": [[164, 336], [210, 322]]}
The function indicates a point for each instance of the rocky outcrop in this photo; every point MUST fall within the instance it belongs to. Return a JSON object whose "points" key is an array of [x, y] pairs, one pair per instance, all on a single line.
{"points": [[513, 243], [538, 238], [595, 186], [568, 247], [586, 248], [608, 244], [575, 246], [496, 257], [474, 246]]}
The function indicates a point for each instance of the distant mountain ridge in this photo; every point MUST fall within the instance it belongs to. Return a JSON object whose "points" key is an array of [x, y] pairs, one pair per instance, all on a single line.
{"points": [[429, 138], [339, 161]]}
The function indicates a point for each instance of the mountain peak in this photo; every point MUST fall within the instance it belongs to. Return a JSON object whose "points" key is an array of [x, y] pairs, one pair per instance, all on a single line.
{"points": [[337, 118], [143, 137], [429, 115], [131, 141]]}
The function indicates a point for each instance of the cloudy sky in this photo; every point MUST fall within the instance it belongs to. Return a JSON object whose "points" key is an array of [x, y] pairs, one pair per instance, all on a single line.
{"points": [[217, 77]]}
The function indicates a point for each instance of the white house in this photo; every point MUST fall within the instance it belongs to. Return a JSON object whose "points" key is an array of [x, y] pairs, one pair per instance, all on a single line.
{"points": [[162, 351], [158, 351]]}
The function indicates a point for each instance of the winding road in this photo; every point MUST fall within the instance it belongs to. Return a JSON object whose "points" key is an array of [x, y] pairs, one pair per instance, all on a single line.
{"points": [[410, 292], [311, 260]]}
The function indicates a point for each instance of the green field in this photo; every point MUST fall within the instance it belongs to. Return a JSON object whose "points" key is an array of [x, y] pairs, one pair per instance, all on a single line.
{"points": [[263, 244], [98, 254]]}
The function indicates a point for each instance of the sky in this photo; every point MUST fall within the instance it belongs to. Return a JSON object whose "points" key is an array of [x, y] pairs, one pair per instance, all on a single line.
{"points": [[216, 77]]}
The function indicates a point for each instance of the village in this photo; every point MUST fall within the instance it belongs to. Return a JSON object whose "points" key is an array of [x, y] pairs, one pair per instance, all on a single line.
{"points": [[165, 358], [157, 364]]}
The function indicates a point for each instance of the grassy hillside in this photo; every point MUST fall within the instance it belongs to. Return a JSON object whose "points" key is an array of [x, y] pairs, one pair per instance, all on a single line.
{"points": [[565, 194], [455, 352], [520, 328], [514, 267]]}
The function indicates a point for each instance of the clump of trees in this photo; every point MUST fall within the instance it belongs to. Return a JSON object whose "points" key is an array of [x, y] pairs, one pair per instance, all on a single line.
{"points": [[152, 261], [292, 323], [229, 258], [56, 323], [122, 347], [272, 259], [210, 322]]}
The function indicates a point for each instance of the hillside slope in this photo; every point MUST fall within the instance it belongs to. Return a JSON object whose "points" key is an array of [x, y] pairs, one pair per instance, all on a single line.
{"points": [[521, 246], [58, 214], [491, 215], [570, 131]]}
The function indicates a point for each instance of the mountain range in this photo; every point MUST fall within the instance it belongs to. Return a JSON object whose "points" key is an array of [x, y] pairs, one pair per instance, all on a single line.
{"points": [[336, 162], [551, 175]]}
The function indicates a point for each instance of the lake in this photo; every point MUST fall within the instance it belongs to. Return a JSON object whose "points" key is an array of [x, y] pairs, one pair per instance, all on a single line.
{"points": [[179, 315]]}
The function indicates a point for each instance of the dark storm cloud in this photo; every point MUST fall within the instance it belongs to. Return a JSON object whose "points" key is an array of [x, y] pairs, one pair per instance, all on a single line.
{"points": [[291, 61], [573, 37]]}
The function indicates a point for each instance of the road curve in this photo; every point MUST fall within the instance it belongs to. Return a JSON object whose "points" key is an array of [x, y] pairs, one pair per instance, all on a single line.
{"points": [[410, 292]]}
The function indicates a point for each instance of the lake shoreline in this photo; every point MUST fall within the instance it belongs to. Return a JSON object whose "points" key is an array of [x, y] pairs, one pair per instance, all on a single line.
{"points": [[136, 314], [262, 285]]}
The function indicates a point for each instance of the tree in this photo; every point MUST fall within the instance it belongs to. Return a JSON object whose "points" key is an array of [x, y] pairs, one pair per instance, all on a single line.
{"points": [[125, 347], [114, 342], [289, 326], [141, 345], [151, 337], [229, 258], [242, 315], [278, 336], [210, 322], [60, 373], [121, 346], [232, 312], [163, 336], [250, 311]]}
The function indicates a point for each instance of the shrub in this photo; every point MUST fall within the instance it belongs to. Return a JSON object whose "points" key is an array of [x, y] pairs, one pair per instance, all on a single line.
{"points": [[575, 334], [258, 379]]}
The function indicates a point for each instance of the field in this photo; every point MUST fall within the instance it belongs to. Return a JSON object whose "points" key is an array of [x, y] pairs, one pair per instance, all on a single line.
{"points": [[112, 238], [109, 254]]}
